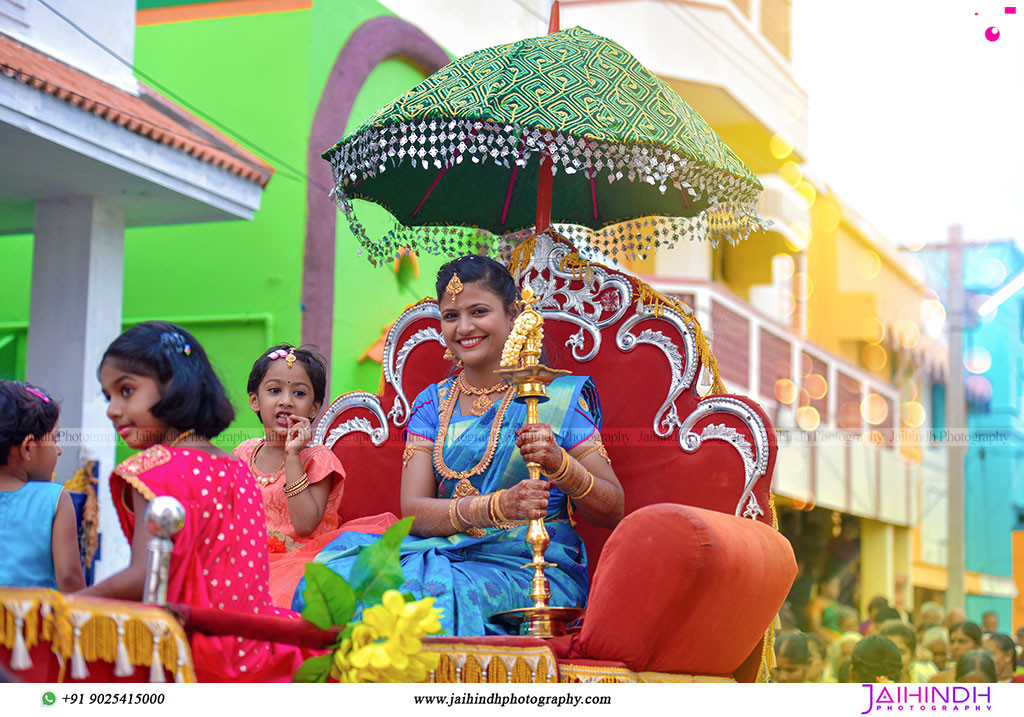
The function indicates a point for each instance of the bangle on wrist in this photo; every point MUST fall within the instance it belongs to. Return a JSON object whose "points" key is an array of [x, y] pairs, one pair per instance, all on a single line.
{"points": [[563, 467], [297, 487], [451, 515]]}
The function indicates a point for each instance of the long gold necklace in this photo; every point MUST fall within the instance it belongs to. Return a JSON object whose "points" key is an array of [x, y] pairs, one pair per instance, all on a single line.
{"points": [[482, 403], [262, 479], [492, 440]]}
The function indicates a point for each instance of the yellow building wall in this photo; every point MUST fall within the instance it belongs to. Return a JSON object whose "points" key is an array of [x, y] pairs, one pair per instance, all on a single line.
{"points": [[1017, 548]]}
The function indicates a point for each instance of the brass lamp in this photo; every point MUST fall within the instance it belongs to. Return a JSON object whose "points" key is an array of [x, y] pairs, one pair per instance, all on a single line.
{"points": [[520, 360]]}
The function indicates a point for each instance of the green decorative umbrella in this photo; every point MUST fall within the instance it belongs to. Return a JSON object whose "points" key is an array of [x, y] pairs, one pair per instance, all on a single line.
{"points": [[469, 151]]}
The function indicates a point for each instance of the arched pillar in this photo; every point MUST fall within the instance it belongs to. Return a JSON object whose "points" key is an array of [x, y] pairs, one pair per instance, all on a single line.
{"points": [[373, 42]]}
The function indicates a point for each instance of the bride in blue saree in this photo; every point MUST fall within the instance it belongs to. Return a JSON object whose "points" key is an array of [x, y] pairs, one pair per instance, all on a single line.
{"points": [[464, 476]]}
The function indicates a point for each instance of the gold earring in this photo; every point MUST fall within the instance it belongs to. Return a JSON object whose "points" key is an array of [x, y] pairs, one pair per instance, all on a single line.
{"points": [[448, 355]]}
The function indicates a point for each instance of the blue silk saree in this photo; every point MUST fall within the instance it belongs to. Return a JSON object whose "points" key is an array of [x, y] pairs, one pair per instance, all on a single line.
{"points": [[471, 578]]}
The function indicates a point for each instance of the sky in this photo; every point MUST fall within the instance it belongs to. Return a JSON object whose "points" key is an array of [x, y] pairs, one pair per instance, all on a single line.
{"points": [[915, 118]]}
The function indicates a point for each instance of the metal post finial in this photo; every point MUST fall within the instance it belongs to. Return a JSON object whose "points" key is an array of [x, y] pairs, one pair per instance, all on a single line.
{"points": [[164, 517]]}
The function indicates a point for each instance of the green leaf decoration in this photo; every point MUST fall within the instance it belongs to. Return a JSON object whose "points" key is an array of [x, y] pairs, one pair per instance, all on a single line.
{"points": [[377, 569], [315, 669], [329, 599]]}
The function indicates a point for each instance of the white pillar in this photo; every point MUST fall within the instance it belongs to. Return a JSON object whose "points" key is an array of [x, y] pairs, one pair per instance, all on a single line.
{"points": [[77, 277]]}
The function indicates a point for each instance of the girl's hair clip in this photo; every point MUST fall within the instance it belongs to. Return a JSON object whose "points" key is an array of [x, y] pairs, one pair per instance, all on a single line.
{"points": [[288, 355], [173, 342], [38, 394]]}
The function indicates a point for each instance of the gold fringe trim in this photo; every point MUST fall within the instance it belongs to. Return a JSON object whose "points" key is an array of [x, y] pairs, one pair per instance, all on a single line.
{"points": [[473, 664], [657, 301], [521, 256], [581, 268], [98, 638], [571, 673], [764, 670], [84, 482]]}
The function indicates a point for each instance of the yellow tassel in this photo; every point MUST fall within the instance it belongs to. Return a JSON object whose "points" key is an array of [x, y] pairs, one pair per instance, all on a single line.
{"points": [[84, 482], [79, 671], [764, 670], [20, 659], [581, 268], [85, 632], [657, 303], [521, 256]]}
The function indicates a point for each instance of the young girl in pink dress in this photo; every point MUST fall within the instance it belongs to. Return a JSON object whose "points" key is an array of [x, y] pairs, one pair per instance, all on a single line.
{"points": [[166, 401], [301, 485]]}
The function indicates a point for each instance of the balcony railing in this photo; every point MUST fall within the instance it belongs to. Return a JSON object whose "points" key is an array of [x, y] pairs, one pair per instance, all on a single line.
{"points": [[837, 423]]}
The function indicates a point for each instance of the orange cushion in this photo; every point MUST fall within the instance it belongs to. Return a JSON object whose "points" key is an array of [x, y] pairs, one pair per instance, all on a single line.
{"points": [[683, 589]]}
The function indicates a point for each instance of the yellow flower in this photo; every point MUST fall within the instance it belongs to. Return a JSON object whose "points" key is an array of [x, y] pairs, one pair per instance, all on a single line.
{"points": [[386, 646]]}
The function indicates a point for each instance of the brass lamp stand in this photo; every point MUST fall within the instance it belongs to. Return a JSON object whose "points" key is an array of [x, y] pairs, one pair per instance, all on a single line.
{"points": [[521, 359]]}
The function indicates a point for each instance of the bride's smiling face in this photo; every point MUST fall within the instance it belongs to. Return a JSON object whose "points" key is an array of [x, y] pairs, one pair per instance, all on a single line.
{"points": [[474, 324]]}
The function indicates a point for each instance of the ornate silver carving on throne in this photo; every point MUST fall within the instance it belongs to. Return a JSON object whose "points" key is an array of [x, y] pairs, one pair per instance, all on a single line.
{"points": [[596, 303]]}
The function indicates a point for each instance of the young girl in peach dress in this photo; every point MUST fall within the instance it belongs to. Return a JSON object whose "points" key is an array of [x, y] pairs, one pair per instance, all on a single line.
{"points": [[301, 485]]}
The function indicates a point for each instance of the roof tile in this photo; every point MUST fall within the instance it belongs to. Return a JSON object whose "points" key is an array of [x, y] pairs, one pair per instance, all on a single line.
{"points": [[150, 115]]}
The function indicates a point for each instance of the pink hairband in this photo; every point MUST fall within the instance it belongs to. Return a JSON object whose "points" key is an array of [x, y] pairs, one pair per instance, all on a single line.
{"points": [[39, 394]]}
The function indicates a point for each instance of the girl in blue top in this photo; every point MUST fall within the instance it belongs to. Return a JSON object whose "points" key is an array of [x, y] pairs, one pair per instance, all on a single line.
{"points": [[37, 518]]}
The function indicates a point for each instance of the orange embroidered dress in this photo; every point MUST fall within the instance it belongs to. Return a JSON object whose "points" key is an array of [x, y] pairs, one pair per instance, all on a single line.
{"points": [[220, 555], [289, 552]]}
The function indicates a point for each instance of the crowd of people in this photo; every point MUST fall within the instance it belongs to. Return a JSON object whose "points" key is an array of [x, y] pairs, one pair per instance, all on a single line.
{"points": [[937, 647]]}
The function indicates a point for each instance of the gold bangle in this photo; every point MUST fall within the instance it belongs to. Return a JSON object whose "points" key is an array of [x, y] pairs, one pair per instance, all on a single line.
{"points": [[479, 509], [497, 507], [573, 480], [458, 512], [290, 491], [451, 515], [490, 509], [589, 488], [563, 467]]}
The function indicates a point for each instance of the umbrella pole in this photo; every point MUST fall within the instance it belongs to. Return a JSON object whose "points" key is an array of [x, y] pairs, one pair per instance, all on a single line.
{"points": [[545, 179], [545, 183]]}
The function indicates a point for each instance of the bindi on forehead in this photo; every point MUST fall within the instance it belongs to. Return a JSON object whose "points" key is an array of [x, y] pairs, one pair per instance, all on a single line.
{"points": [[472, 295], [299, 381]]}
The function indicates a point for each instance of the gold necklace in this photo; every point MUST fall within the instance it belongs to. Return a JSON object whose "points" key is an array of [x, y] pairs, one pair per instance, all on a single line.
{"points": [[181, 438], [262, 479], [492, 440], [466, 388], [482, 403]]}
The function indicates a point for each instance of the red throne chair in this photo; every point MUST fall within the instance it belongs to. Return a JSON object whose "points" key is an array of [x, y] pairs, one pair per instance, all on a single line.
{"points": [[687, 586]]}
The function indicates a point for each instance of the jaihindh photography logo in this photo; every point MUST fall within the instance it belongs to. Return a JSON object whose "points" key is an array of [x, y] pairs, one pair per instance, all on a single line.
{"points": [[930, 698]]}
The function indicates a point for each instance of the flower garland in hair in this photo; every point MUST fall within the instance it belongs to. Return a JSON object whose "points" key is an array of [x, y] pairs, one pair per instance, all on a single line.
{"points": [[385, 645]]}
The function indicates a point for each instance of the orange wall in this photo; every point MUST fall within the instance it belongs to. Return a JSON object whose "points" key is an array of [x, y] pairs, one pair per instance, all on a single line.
{"points": [[1017, 548]]}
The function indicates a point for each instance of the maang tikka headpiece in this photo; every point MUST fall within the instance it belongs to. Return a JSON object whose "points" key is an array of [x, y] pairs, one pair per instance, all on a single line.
{"points": [[454, 287]]}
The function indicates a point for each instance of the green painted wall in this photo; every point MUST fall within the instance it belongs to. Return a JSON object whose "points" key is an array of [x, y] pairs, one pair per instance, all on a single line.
{"points": [[237, 285]]}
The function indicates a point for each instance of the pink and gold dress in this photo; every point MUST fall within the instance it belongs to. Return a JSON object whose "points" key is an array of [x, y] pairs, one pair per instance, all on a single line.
{"points": [[220, 555], [289, 552]]}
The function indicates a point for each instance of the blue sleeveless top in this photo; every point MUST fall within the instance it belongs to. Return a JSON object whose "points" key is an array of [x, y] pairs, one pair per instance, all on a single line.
{"points": [[26, 526]]}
